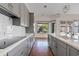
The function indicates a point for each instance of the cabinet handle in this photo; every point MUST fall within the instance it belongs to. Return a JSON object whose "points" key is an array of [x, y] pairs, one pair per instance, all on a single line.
{"points": [[7, 54], [4, 42]]}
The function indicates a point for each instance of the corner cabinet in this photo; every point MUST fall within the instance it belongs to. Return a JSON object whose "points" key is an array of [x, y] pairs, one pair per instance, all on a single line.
{"points": [[24, 14]]}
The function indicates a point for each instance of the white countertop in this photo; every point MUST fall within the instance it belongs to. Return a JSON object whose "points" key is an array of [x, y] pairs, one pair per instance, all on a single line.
{"points": [[71, 42], [9, 48]]}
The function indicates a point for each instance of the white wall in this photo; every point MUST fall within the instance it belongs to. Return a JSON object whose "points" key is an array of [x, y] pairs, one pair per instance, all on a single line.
{"points": [[68, 17], [43, 18], [7, 29]]}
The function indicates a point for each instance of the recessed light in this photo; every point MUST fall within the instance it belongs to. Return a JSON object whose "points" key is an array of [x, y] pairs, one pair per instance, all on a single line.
{"points": [[45, 6]]}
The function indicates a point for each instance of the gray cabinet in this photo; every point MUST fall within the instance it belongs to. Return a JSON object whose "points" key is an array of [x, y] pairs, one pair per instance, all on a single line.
{"points": [[60, 48], [72, 51], [52, 44], [49, 40], [54, 47], [24, 14], [61, 51]]}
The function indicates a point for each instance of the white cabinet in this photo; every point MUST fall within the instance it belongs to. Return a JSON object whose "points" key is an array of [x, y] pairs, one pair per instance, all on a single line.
{"points": [[24, 14], [16, 7], [7, 6], [20, 48], [12, 8], [16, 51], [4, 5]]}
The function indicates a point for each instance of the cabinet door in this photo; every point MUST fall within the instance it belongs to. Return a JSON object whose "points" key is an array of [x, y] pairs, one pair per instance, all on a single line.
{"points": [[26, 17], [49, 41], [54, 47], [28, 46], [61, 48], [73, 52], [15, 51], [5, 5], [22, 14], [10, 7], [61, 51], [16, 7]]}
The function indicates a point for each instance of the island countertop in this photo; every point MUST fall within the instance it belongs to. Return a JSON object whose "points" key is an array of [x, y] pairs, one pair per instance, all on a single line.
{"points": [[68, 41]]}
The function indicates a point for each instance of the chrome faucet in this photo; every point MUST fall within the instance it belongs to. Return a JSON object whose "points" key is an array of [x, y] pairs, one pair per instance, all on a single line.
{"points": [[72, 34]]}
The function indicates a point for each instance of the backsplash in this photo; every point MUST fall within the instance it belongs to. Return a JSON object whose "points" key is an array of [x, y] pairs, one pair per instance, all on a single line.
{"points": [[7, 29]]}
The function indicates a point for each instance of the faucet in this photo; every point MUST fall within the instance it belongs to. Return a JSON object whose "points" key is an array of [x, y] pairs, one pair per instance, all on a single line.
{"points": [[72, 34]]}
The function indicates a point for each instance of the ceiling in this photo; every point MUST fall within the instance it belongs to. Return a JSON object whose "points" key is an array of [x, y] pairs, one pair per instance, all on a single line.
{"points": [[52, 8]]}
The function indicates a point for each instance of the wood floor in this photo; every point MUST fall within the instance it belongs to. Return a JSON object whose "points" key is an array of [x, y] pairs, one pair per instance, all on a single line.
{"points": [[41, 36], [41, 48]]}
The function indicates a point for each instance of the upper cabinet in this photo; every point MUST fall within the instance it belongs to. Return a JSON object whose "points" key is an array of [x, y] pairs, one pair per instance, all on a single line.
{"points": [[15, 8], [18, 10], [11, 8], [24, 14], [5, 5]]}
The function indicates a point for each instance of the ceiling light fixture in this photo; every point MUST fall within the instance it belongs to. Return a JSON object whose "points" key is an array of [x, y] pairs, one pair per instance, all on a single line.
{"points": [[45, 6], [66, 8]]}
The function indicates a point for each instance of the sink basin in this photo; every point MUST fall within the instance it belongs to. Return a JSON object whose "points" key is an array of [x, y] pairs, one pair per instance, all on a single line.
{"points": [[8, 41]]}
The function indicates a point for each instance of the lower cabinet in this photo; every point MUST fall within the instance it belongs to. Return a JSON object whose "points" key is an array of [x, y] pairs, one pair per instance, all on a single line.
{"points": [[53, 45], [61, 51], [22, 49], [72, 51], [60, 48]]}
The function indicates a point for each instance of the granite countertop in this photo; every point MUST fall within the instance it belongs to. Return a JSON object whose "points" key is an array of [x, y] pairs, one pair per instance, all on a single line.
{"points": [[4, 51], [72, 42]]}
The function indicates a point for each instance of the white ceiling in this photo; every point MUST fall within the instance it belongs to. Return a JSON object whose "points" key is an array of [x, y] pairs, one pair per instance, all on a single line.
{"points": [[52, 8]]}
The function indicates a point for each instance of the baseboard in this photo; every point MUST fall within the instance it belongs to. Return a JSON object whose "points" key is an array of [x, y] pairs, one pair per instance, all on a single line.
{"points": [[51, 51]]}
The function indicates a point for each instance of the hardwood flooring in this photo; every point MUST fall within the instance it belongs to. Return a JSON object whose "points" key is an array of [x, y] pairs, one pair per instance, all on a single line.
{"points": [[41, 36], [41, 48]]}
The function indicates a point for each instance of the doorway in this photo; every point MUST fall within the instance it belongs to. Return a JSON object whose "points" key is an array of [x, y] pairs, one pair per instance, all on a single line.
{"points": [[42, 30]]}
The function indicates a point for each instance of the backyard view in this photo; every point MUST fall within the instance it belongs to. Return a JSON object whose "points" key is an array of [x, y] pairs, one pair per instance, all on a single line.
{"points": [[43, 28]]}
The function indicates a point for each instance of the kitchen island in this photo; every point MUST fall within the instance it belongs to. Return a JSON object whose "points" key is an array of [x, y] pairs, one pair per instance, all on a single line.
{"points": [[63, 46]]}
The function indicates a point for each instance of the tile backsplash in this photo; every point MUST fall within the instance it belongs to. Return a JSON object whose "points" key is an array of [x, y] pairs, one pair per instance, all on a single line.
{"points": [[7, 29]]}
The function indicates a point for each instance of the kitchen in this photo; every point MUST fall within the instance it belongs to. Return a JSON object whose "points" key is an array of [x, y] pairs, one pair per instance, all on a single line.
{"points": [[18, 27]]}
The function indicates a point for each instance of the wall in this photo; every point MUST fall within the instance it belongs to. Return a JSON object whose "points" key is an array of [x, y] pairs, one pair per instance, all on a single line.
{"points": [[68, 17], [7, 29]]}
